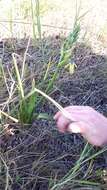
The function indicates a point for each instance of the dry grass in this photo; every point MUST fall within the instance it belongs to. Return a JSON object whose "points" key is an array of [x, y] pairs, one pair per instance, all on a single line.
{"points": [[15, 19]]}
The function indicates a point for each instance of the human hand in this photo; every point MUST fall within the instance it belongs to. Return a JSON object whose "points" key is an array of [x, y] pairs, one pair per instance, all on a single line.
{"points": [[90, 123]]}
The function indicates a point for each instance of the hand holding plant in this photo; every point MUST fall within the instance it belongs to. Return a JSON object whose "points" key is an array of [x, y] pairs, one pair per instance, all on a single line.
{"points": [[91, 124]]}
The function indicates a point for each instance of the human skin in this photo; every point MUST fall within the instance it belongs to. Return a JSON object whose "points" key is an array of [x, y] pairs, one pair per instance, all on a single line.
{"points": [[88, 122]]}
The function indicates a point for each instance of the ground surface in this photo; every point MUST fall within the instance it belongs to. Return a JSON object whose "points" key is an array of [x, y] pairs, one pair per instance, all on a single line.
{"points": [[40, 152]]}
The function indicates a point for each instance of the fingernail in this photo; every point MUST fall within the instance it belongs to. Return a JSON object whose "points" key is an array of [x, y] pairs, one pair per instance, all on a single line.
{"points": [[54, 117], [74, 128]]}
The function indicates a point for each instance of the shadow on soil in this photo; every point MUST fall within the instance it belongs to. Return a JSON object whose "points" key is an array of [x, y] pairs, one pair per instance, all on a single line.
{"points": [[40, 153]]}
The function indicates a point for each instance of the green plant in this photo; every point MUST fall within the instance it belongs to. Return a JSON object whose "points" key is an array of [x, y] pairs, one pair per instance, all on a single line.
{"points": [[65, 54], [26, 107], [67, 50], [72, 177]]}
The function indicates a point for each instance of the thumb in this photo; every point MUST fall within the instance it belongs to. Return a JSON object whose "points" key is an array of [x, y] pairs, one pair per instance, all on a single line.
{"points": [[76, 127]]}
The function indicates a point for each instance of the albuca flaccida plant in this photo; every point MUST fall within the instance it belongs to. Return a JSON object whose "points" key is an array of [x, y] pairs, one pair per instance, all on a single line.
{"points": [[26, 107]]}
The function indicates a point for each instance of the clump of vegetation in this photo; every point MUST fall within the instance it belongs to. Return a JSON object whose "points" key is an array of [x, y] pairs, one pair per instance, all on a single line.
{"points": [[27, 106]]}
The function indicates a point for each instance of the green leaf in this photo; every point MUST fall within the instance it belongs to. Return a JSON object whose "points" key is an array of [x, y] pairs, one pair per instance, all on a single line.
{"points": [[44, 116]]}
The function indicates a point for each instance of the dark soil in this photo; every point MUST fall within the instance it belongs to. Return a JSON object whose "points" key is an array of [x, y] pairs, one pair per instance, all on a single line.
{"points": [[37, 154]]}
